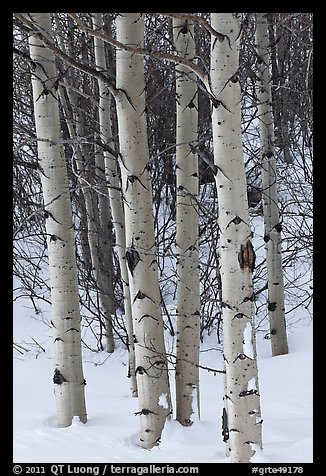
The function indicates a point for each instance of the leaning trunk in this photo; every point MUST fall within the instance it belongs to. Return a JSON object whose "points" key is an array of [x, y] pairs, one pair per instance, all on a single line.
{"points": [[68, 378]]}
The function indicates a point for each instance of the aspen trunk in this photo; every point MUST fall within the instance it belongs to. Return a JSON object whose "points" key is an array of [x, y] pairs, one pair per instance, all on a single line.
{"points": [[68, 378], [279, 38], [113, 181], [241, 415], [272, 235], [97, 225], [105, 253], [188, 294], [99, 231], [151, 366]]}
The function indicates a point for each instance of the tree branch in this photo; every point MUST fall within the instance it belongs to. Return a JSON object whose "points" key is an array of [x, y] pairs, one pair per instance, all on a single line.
{"points": [[200, 72], [67, 59], [199, 20]]}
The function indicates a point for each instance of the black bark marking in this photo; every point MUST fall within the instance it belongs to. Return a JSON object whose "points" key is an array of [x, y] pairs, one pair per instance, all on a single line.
{"points": [[241, 356], [58, 378], [132, 179], [217, 103], [145, 411], [267, 238], [246, 393], [57, 339], [141, 295], [184, 30], [48, 214], [159, 362], [247, 256], [234, 78], [278, 227], [249, 298], [45, 92], [132, 257], [239, 315], [140, 370], [191, 248], [273, 332], [272, 306], [187, 422], [72, 329], [236, 221], [147, 315], [225, 428]]}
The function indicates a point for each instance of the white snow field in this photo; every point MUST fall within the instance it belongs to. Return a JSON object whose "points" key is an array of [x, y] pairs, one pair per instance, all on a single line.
{"points": [[111, 433]]}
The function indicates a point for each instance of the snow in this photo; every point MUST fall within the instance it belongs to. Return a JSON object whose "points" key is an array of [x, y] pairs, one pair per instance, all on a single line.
{"points": [[247, 341], [111, 433], [252, 384], [259, 456], [163, 401]]}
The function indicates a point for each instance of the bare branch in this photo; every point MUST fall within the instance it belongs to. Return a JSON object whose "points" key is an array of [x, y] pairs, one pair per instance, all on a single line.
{"points": [[200, 72], [67, 59], [199, 20]]}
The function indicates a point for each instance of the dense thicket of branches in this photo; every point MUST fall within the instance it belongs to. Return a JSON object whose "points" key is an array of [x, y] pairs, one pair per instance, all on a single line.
{"points": [[292, 72]]}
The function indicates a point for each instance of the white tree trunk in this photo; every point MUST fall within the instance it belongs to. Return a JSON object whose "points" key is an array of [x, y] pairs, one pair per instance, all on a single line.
{"points": [[151, 366], [242, 422], [112, 177], [187, 245], [99, 234], [272, 235], [68, 379]]}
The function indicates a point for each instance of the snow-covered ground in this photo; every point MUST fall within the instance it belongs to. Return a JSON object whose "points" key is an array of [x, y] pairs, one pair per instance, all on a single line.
{"points": [[110, 434]]}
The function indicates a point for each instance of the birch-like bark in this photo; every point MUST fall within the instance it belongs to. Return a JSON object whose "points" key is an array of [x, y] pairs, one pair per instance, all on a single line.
{"points": [[113, 181], [151, 366], [94, 229], [104, 252], [99, 232], [272, 235], [104, 249], [279, 36], [69, 383], [188, 295], [241, 415]]}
